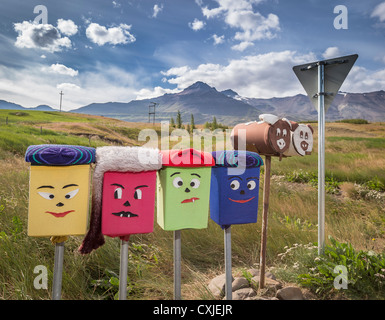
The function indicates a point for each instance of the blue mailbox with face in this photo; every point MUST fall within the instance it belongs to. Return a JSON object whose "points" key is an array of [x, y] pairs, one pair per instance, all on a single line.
{"points": [[234, 189]]}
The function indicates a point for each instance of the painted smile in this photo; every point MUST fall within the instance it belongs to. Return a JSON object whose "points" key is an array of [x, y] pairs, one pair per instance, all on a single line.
{"points": [[60, 214], [241, 201], [125, 214], [190, 200]]}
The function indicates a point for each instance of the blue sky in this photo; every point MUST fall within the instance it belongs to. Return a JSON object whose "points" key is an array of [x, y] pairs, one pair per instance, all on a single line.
{"points": [[120, 50]]}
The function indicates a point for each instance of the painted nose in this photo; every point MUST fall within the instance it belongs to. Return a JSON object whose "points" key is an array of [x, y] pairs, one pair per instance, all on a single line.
{"points": [[127, 204], [187, 190], [242, 192], [60, 204]]}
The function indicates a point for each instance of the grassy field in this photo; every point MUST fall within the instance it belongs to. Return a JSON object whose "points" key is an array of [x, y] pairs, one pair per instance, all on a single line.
{"points": [[355, 214]]}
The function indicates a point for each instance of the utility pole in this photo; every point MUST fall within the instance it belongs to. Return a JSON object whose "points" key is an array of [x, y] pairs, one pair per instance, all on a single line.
{"points": [[61, 98], [151, 111]]}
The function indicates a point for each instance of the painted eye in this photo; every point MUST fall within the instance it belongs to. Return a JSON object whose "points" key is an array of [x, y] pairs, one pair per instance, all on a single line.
{"points": [[284, 133], [306, 136], [71, 194], [301, 134], [138, 194], [177, 182], [251, 185], [278, 132], [235, 185], [195, 183], [47, 195], [118, 193]]}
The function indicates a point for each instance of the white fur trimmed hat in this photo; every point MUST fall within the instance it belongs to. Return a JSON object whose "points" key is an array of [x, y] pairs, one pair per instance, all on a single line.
{"points": [[121, 159]]}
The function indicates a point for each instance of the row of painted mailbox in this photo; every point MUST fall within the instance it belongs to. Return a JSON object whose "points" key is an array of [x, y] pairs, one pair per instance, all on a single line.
{"points": [[189, 184]]}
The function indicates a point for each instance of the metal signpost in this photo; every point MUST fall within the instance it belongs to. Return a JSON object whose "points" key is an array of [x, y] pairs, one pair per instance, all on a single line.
{"points": [[58, 271], [123, 270], [177, 265], [321, 81], [228, 272]]}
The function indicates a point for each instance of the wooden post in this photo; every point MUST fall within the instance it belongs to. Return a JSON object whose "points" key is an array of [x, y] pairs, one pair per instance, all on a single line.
{"points": [[266, 195]]}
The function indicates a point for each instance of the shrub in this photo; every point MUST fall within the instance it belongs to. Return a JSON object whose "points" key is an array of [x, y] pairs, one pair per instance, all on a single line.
{"points": [[365, 271], [300, 176]]}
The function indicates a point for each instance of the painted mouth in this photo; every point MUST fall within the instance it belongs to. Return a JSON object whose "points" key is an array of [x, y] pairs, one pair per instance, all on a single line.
{"points": [[241, 201], [60, 214], [125, 214], [190, 200]]}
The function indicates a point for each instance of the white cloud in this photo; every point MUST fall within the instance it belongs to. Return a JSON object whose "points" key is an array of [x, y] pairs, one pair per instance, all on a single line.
{"points": [[379, 12], [261, 76], [156, 10], [67, 86], [176, 71], [240, 15], [197, 24], [116, 4], [115, 35], [63, 70], [67, 27], [242, 46], [331, 52], [40, 36], [361, 79], [218, 39], [153, 92]]}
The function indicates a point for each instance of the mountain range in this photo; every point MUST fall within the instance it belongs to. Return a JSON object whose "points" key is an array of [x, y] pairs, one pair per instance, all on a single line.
{"points": [[229, 108]]}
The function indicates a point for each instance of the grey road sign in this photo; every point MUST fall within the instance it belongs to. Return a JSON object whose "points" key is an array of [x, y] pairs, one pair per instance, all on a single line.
{"points": [[335, 72]]}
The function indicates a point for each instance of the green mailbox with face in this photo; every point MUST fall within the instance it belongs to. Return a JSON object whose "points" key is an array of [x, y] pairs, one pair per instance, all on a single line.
{"points": [[183, 189]]}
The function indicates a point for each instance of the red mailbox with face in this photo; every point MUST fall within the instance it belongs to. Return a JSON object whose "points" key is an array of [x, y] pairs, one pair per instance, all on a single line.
{"points": [[128, 203], [123, 200]]}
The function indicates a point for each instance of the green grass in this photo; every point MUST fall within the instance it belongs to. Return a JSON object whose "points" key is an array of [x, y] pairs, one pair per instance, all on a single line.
{"points": [[369, 143], [353, 121], [33, 116], [15, 138]]}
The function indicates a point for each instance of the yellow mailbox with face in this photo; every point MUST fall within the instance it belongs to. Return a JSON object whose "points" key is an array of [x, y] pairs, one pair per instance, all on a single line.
{"points": [[59, 189]]}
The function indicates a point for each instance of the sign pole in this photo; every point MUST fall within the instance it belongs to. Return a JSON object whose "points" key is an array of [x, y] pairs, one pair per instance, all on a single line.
{"points": [[321, 81], [58, 271], [228, 272], [266, 196], [123, 270], [321, 157], [177, 265]]}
